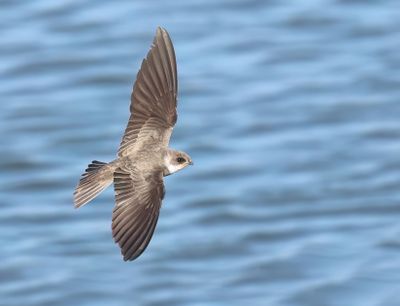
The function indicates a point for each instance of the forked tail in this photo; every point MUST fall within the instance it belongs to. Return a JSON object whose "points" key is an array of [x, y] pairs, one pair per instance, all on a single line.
{"points": [[97, 177]]}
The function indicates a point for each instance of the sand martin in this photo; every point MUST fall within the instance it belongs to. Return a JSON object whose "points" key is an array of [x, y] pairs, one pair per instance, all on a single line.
{"points": [[144, 157]]}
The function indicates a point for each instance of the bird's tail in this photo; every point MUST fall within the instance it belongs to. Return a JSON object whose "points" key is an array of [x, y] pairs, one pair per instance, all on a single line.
{"points": [[97, 177]]}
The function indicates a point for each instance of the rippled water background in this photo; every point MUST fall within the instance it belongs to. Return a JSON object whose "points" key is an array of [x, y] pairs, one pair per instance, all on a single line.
{"points": [[290, 110]]}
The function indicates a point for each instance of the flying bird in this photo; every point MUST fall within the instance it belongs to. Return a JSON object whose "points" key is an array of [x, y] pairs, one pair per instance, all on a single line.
{"points": [[144, 157]]}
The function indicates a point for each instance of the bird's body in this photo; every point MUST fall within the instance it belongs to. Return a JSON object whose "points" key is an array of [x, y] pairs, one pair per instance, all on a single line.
{"points": [[144, 157]]}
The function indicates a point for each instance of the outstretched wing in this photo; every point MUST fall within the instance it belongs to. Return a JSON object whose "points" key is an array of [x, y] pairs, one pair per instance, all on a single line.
{"points": [[138, 198], [153, 99]]}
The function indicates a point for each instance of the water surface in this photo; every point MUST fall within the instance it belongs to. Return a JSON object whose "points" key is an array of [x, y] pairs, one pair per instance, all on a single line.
{"points": [[290, 110]]}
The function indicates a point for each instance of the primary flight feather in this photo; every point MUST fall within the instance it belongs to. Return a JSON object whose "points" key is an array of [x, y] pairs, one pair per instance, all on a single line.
{"points": [[144, 157]]}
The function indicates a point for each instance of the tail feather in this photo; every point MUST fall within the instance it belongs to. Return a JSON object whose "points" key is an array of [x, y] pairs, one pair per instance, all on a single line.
{"points": [[94, 165], [97, 177]]}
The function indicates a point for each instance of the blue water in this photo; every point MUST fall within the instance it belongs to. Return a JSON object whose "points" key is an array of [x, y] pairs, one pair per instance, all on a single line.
{"points": [[290, 111]]}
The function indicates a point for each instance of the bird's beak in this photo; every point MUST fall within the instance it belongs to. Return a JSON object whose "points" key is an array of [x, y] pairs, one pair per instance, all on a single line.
{"points": [[191, 163]]}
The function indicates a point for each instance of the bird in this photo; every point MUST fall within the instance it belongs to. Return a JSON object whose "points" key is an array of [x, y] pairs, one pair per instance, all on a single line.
{"points": [[144, 157]]}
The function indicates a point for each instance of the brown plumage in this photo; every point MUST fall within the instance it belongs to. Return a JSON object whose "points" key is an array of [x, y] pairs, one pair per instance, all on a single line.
{"points": [[143, 157]]}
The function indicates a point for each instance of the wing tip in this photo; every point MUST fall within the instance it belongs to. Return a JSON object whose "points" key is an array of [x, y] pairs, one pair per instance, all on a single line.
{"points": [[131, 257], [162, 33], [161, 30], [127, 258]]}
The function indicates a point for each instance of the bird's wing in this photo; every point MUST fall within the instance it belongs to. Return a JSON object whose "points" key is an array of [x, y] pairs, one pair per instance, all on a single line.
{"points": [[138, 198], [153, 99]]}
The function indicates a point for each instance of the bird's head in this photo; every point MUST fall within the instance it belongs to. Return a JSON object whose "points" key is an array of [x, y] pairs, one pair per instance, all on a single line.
{"points": [[176, 160]]}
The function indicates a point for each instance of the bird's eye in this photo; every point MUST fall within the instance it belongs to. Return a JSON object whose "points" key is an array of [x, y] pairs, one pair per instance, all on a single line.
{"points": [[180, 160]]}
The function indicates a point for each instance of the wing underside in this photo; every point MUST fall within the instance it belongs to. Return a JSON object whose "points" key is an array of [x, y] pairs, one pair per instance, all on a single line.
{"points": [[138, 199], [153, 99]]}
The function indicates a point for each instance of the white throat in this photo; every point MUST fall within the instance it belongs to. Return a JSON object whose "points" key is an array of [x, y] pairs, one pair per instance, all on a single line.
{"points": [[172, 168]]}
